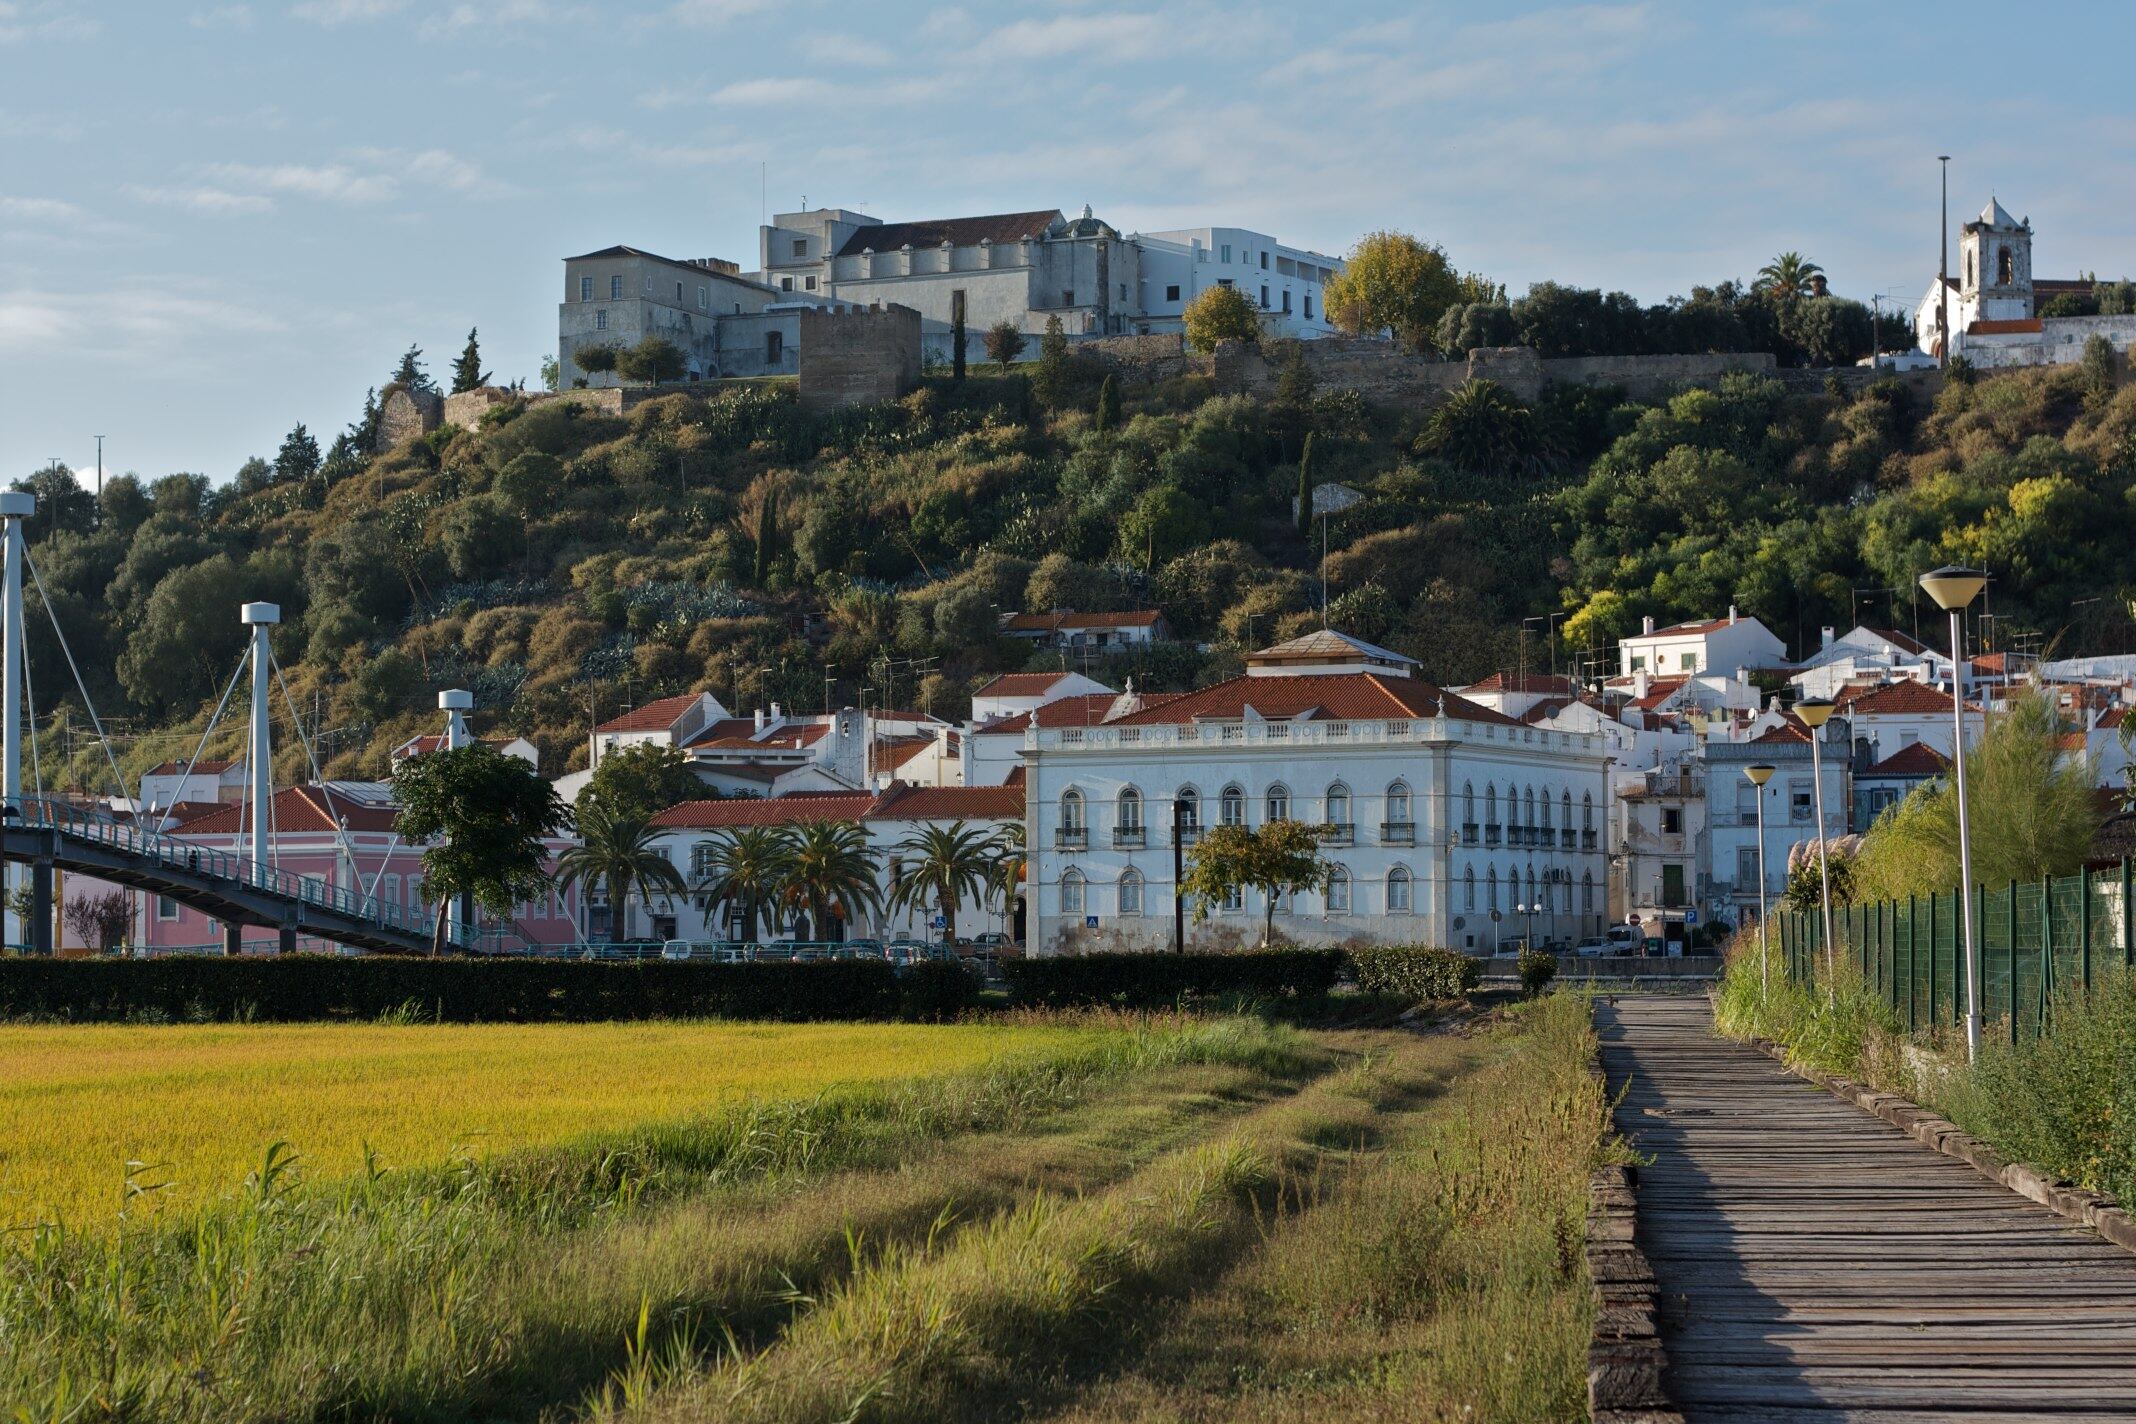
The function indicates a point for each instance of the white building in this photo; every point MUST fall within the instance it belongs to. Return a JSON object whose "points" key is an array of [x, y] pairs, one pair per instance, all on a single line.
{"points": [[1731, 646], [1014, 693], [776, 753], [723, 323], [1065, 628], [1443, 818], [1286, 284], [1887, 717], [1730, 890], [1992, 308], [1658, 839], [1866, 654]]}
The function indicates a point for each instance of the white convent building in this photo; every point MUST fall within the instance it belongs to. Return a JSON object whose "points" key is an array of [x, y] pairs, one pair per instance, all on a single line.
{"points": [[1991, 306], [1439, 811]]}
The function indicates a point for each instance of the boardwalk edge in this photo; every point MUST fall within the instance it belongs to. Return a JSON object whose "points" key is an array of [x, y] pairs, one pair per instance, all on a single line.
{"points": [[2096, 1210], [1626, 1360]]}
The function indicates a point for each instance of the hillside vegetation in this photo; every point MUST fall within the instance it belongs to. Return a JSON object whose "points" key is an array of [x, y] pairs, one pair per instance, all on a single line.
{"points": [[563, 564]]}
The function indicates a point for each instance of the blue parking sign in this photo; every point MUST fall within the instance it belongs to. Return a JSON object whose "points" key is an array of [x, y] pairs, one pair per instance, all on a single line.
{"points": [[1090, 922]]}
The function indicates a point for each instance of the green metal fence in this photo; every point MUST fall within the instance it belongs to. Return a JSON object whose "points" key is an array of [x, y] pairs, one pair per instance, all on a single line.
{"points": [[2035, 940]]}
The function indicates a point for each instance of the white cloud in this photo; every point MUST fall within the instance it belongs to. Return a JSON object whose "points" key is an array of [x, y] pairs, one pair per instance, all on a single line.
{"points": [[41, 210], [230, 17], [49, 220], [346, 12], [143, 323], [709, 13], [45, 20], [847, 49], [1117, 36], [773, 91], [332, 182], [202, 199]]}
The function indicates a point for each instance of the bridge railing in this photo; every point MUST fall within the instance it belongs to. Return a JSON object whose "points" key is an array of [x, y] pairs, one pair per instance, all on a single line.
{"points": [[2036, 939], [191, 857]]}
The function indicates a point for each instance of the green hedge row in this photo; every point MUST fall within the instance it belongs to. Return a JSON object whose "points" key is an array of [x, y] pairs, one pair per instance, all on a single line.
{"points": [[1414, 972], [1148, 981], [300, 988]]}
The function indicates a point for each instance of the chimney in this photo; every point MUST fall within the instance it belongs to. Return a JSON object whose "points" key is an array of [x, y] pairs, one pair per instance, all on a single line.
{"points": [[1646, 626], [1731, 615], [776, 714], [1639, 681], [759, 719], [1827, 632]]}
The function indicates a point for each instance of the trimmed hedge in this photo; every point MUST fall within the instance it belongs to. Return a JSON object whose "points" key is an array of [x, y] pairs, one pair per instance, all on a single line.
{"points": [[1158, 980], [1413, 971], [303, 987]]}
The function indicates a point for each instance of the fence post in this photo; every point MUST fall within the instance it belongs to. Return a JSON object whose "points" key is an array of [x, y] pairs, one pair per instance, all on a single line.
{"points": [[2011, 985], [2084, 928], [2046, 948], [1912, 961], [2128, 922], [1932, 959]]}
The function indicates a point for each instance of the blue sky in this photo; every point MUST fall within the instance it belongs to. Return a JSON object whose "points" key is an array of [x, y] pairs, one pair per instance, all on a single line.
{"points": [[218, 219]]}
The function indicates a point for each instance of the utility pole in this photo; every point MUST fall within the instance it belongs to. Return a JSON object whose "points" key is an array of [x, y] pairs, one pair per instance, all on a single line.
{"points": [[1943, 271], [100, 469]]}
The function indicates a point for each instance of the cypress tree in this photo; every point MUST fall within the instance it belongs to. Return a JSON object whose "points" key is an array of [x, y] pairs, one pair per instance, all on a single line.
{"points": [[957, 339], [1305, 486], [467, 372], [1108, 417], [767, 536]]}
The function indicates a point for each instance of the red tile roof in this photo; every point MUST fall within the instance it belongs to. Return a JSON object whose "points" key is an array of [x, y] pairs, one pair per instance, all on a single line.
{"points": [[1674, 630], [652, 717], [1788, 731], [2018, 326], [1542, 682], [900, 802], [1659, 691], [1021, 684], [1047, 622], [890, 753], [958, 232], [1904, 698], [766, 811], [1913, 759], [297, 809], [204, 767], [1354, 696], [1086, 709]]}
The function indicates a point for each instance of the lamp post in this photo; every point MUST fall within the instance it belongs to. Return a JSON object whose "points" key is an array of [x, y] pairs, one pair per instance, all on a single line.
{"points": [[1529, 910], [1179, 875], [1815, 712], [1760, 773], [1954, 590]]}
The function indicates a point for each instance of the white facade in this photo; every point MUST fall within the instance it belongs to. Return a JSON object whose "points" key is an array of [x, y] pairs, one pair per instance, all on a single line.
{"points": [[1721, 645], [1730, 890], [1286, 284], [1992, 303]]}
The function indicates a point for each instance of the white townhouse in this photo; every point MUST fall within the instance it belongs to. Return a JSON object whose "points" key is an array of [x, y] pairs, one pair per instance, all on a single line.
{"points": [[1445, 821], [1734, 645], [1729, 882]]}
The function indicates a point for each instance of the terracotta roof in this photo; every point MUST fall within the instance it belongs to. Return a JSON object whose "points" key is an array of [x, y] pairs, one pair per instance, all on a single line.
{"points": [[1021, 684], [2112, 718], [765, 811], [1047, 622], [1327, 645], [1355, 696], [1904, 641], [1543, 682], [181, 813], [890, 753], [297, 809], [1913, 759], [1659, 691], [1085, 709], [1015, 776], [2017, 326], [1902, 698], [652, 717], [1788, 731], [1546, 709], [2073, 741], [204, 767], [958, 232], [900, 802], [1676, 630], [431, 741]]}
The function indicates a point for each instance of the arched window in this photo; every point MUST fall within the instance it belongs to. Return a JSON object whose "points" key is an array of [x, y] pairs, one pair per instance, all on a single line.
{"points": [[1071, 892], [1566, 802], [1546, 808], [1587, 891], [1189, 801], [1587, 810], [1490, 804], [1338, 805], [1468, 888], [2005, 269], [1130, 893], [1398, 804], [1490, 886], [1129, 810], [1468, 803], [1339, 891], [1528, 813], [1398, 891], [1234, 899], [1231, 806], [1279, 802], [1072, 812], [1531, 887]]}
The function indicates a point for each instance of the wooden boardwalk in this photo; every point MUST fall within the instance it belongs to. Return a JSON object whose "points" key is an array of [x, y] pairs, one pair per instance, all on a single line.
{"points": [[1817, 1264]]}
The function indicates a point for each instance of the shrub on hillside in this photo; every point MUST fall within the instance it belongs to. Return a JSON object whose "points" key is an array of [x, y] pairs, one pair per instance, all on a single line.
{"points": [[1413, 971]]}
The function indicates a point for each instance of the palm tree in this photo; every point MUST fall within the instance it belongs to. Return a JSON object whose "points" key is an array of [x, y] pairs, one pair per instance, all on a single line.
{"points": [[1788, 276], [746, 866], [1006, 876], [944, 867], [831, 870], [615, 849]]}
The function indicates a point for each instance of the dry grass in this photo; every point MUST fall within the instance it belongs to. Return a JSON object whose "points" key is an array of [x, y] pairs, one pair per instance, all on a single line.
{"points": [[198, 1106]]}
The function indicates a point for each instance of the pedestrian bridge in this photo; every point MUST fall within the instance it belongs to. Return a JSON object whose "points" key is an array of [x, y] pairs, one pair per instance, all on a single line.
{"points": [[53, 835]]}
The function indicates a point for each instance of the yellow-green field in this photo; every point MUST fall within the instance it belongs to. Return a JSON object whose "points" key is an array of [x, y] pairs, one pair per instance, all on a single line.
{"points": [[200, 1104]]}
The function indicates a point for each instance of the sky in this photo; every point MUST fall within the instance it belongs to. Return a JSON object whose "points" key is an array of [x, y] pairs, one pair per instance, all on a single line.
{"points": [[220, 219]]}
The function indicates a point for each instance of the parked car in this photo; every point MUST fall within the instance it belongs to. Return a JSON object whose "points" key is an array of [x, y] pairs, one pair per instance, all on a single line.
{"points": [[861, 949], [1596, 948]]}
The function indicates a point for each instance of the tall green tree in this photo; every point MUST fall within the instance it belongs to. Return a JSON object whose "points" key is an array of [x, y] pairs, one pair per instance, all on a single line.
{"points": [[1395, 283], [641, 781], [1107, 418], [595, 359], [616, 850], [940, 867], [746, 867], [959, 338], [298, 459], [767, 536], [1277, 858], [1220, 314], [1788, 277], [467, 372], [410, 372], [1305, 487], [652, 362], [830, 872], [481, 818]]}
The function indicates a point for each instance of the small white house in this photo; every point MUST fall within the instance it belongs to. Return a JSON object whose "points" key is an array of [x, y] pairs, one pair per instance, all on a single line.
{"points": [[1719, 645]]}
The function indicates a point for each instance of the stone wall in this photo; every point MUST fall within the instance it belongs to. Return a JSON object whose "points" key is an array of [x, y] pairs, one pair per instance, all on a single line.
{"points": [[403, 414], [467, 408], [1143, 360], [860, 357], [1651, 377]]}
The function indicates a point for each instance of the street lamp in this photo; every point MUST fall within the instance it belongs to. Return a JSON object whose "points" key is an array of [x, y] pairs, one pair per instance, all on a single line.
{"points": [[1954, 590], [1760, 773], [1530, 909], [1815, 712]]}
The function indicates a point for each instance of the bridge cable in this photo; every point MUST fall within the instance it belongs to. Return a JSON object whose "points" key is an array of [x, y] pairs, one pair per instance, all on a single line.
{"points": [[87, 701], [341, 830], [186, 775]]}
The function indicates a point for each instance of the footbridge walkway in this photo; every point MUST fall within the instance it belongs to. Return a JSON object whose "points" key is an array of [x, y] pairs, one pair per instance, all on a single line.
{"points": [[1814, 1263]]}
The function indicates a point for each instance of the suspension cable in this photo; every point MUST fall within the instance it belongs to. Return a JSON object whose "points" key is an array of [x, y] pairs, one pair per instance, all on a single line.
{"points": [[29, 700], [185, 776], [87, 701], [341, 830]]}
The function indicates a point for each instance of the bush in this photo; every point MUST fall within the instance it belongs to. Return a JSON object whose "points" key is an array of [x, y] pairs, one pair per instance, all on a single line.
{"points": [[1159, 980], [299, 988], [1414, 971], [1537, 968], [935, 992]]}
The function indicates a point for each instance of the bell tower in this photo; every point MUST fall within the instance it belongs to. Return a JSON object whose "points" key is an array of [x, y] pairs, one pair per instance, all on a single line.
{"points": [[1995, 280]]}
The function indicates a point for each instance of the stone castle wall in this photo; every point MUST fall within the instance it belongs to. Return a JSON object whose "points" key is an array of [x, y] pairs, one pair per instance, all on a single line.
{"points": [[404, 414], [860, 357]]}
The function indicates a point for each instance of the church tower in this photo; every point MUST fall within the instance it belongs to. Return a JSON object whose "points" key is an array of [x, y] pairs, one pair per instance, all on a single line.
{"points": [[1995, 280]]}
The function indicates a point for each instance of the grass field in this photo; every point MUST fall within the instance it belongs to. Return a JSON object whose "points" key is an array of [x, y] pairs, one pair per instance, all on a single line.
{"points": [[198, 1106], [1115, 1220]]}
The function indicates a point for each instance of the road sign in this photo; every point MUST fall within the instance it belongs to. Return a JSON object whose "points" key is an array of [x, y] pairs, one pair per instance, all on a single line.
{"points": [[940, 923], [1494, 917], [1631, 919], [1690, 917], [1090, 922]]}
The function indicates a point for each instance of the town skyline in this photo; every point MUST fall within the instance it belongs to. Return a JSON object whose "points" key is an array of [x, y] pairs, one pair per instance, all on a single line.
{"points": [[171, 295]]}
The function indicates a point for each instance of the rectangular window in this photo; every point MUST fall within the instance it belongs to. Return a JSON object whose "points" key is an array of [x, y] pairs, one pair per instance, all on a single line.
{"points": [[809, 282], [704, 299], [1801, 801], [615, 289], [648, 284], [1068, 297], [389, 890], [1227, 252], [166, 908], [1672, 821], [800, 247], [1286, 303], [678, 294], [1690, 662], [1638, 664], [1223, 281], [600, 319], [1264, 296], [1171, 294], [1308, 306], [1672, 885], [1264, 262], [1746, 867], [786, 284], [1234, 900], [774, 347], [585, 289]]}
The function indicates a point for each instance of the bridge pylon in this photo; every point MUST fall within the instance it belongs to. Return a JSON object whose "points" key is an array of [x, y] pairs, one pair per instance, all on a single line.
{"points": [[15, 506]]}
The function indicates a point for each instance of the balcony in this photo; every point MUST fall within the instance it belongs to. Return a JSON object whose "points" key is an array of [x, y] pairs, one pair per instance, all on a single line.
{"points": [[1490, 835], [1071, 838], [1568, 838], [1398, 833], [1189, 834], [1338, 833], [1469, 830], [1129, 837], [1587, 840]]}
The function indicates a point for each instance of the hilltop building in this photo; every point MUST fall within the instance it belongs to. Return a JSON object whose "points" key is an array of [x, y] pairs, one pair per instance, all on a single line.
{"points": [[1992, 308]]}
